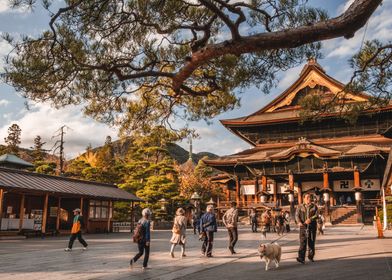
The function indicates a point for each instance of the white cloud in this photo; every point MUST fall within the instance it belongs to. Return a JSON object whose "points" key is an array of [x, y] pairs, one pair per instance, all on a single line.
{"points": [[379, 27], [4, 102], [289, 77], [4, 5], [44, 120], [5, 48], [344, 6]]}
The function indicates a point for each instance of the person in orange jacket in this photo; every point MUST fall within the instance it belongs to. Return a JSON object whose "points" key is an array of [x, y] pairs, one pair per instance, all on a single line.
{"points": [[76, 231]]}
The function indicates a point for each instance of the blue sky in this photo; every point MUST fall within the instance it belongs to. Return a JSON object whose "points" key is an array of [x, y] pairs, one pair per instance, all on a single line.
{"points": [[43, 120]]}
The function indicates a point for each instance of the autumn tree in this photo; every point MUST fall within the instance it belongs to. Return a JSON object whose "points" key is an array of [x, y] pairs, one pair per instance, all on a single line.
{"points": [[13, 139], [137, 63]]}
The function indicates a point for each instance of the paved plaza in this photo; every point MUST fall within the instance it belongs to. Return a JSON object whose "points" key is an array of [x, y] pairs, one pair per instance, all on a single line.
{"points": [[342, 253]]}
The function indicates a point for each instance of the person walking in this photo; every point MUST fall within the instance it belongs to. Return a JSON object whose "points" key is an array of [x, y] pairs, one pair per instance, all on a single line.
{"points": [[280, 222], [208, 226], [142, 238], [320, 224], [306, 216], [266, 223], [178, 232], [230, 219], [253, 219], [76, 231]]}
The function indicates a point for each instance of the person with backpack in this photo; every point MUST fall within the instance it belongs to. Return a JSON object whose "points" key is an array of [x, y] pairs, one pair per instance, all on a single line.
{"points": [[208, 226], [141, 236], [179, 232], [76, 231], [230, 219]]}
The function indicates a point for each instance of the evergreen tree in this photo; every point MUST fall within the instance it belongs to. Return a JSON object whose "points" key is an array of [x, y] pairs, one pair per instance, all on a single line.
{"points": [[38, 152], [13, 139]]}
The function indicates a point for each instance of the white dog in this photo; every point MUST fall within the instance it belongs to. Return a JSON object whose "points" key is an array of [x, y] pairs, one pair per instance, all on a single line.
{"points": [[270, 252]]}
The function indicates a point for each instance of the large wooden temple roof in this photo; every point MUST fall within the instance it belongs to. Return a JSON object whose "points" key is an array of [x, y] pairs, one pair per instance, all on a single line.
{"points": [[284, 108]]}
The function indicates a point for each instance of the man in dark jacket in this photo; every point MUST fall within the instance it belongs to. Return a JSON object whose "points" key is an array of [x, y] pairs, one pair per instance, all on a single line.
{"points": [[306, 217], [208, 226], [144, 243]]}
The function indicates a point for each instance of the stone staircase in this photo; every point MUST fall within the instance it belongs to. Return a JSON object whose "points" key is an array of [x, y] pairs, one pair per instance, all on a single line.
{"points": [[344, 215]]}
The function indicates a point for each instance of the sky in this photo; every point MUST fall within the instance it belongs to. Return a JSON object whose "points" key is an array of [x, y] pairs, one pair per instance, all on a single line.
{"points": [[41, 119]]}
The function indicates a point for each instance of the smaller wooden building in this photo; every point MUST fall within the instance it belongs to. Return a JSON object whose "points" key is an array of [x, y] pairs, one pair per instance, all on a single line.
{"points": [[44, 203]]}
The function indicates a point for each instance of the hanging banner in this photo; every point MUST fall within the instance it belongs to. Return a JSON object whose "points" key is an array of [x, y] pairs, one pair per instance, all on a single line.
{"points": [[248, 189], [285, 187], [371, 185], [343, 185], [311, 185]]}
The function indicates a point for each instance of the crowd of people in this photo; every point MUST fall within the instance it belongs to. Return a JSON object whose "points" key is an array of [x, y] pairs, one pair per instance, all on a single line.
{"points": [[307, 217]]}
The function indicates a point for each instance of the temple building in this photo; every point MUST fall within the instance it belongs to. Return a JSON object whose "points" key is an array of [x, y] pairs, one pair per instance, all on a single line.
{"points": [[343, 164]]}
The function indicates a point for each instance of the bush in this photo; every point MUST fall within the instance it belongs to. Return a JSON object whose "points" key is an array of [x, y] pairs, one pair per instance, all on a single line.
{"points": [[389, 213]]}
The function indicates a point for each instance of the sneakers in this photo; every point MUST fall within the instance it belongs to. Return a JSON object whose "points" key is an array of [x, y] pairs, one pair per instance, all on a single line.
{"points": [[311, 259], [67, 249], [300, 261], [172, 254], [84, 248], [131, 264]]}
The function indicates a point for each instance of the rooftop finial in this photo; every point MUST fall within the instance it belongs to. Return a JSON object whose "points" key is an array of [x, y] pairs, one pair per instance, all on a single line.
{"points": [[190, 148]]}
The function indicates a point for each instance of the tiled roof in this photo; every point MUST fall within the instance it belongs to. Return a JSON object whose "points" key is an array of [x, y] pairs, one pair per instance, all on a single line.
{"points": [[9, 158], [34, 182]]}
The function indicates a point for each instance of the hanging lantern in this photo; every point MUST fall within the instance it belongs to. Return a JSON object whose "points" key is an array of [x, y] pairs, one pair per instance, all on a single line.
{"points": [[263, 198], [291, 197], [326, 197], [358, 196]]}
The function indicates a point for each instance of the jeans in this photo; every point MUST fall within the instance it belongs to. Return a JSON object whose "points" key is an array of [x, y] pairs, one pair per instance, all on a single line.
{"points": [[307, 237], [77, 235], [143, 248], [208, 243], [233, 237]]}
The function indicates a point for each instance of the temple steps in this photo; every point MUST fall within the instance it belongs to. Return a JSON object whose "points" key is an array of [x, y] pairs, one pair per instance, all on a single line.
{"points": [[344, 215]]}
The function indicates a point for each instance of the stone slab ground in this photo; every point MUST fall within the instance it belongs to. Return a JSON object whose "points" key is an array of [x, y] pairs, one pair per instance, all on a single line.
{"points": [[342, 253]]}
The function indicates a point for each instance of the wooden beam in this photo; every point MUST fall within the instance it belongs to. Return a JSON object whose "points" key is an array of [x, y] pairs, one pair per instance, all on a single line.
{"points": [[45, 214], [58, 214], [110, 206], [21, 212]]}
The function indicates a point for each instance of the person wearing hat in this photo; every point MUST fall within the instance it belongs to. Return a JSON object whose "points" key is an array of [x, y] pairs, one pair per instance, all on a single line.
{"points": [[208, 226], [76, 231], [179, 232]]}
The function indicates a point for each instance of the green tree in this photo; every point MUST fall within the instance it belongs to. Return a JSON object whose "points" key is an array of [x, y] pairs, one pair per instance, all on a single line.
{"points": [[137, 63], [13, 139], [38, 152], [45, 167]]}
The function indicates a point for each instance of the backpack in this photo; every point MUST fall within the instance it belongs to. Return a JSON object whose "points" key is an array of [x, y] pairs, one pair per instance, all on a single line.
{"points": [[176, 229], [138, 233]]}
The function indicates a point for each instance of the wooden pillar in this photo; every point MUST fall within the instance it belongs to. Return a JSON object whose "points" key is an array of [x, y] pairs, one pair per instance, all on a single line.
{"points": [[357, 181], [81, 206], [256, 190], [275, 193], [237, 190], [1, 204], [110, 206], [264, 184], [87, 220], [299, 194], [325, 181], [227, 194], [132, 214], [45, 214], [58, 214], [291, 181], [21, 211]]}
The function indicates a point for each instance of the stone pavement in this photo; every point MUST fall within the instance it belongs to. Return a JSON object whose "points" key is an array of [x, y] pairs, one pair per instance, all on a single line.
{"points": [[343, 253]]}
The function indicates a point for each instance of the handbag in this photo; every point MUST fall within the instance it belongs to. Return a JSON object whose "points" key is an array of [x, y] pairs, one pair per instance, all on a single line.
{"points": [[176, 229]]}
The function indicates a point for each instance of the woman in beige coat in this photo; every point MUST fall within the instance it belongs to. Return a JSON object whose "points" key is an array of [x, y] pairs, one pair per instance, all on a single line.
{"points": [[179, 232]]}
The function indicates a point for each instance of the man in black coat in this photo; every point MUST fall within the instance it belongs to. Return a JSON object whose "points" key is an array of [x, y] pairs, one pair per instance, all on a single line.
{"points": [[306, 217]]}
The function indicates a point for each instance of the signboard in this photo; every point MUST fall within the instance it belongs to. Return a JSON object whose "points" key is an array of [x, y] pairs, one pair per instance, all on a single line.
{"points": [[285, 187], [37, 216], [311, 185], [53, 212], [371, 184], [343, 185], [248, 190], [9, 210], [348, 185]]}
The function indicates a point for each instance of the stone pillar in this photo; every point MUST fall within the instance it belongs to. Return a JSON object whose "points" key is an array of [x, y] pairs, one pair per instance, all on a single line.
{"points": [[45, 214]]}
